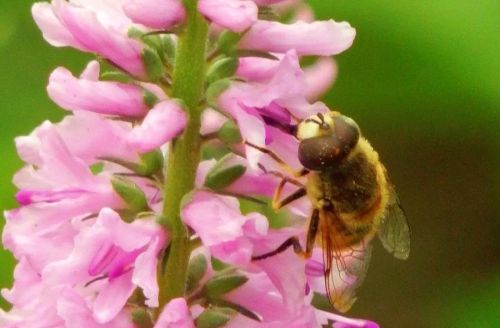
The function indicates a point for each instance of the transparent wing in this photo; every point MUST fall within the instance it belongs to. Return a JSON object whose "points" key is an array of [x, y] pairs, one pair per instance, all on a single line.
{"points": [[394, 231], [345, 268]]}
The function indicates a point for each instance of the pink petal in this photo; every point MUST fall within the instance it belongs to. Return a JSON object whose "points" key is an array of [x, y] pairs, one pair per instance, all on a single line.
{"points": [[162, 123], [155, 14], [321, 38], [111, 98], [74, 310], [211, 121], [145, 269], [175, 315], [53, 30], [213, 219], [236, 15], [112, 298], [93, 36], [319, 77], [256, 68]]}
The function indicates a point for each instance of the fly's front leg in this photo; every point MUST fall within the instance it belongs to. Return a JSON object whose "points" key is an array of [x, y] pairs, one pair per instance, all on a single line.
{"points": [[295, 243], [281, 162]]}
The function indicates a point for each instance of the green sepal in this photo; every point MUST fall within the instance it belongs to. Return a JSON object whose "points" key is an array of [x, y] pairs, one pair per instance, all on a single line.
{"points": [[116, 76], [141, 318], [150, 163], [215, 89], [167, 49], [221, 175], [97, 168], [153, 64], [227, 41], [218, 265], [222, 68], [229, 133], [131, 194], [223, 283], [149, 98], [236, 307], [196, 270], [214, 317]]}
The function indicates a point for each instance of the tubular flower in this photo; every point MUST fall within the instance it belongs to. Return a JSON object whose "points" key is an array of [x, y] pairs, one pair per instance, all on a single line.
{"points": [[121, 222]]}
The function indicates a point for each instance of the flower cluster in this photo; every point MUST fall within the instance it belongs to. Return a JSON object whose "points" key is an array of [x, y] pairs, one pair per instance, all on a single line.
{"points": [[89, 233]]}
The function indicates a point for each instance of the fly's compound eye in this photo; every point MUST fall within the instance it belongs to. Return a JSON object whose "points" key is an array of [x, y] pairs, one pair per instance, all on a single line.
{"points": [[346, 131], [320, 153]]}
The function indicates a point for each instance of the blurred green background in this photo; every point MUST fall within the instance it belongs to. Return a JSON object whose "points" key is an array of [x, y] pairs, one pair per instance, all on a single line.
{"points": [[422, 80]]}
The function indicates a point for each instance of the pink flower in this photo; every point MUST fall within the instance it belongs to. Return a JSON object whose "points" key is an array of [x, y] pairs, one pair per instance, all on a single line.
{"points": [[98, 27], [163, 122], [155, 14], [321, 38], [276, 98], [118, 256], [221, 227], [89, 94], [235, 15]]}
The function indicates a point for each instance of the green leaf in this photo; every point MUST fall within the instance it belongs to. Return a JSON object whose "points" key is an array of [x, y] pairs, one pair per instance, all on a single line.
{"points": [[214, 317], [131, 194], [153, 63], [223, 284], [215, 89], [197, 268], [222, 68], [229, 133]]}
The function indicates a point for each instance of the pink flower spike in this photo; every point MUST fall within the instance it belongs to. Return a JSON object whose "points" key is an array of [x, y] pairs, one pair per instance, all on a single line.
{"points": [[321, 38], [175, 315], [104, 97], [235, 15], [155, 14], [162, 123]]}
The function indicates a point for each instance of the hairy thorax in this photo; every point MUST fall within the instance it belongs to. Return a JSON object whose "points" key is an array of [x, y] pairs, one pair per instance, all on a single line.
{"points": [[355, 189]]}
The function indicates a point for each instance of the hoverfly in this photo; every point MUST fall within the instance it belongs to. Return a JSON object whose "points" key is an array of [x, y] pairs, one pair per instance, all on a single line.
{"points": [[352, 200]]}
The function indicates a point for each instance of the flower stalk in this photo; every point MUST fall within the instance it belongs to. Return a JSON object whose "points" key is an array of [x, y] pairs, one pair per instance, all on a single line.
{"points": [[184, 156]]}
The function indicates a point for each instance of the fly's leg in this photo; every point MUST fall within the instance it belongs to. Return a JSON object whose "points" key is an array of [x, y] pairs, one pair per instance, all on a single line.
{"points": [[295, 243], [281, 162], [277, 203]]}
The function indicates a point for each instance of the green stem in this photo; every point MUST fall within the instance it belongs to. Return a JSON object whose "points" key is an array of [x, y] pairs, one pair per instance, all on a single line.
{"points": [[188, 81]]}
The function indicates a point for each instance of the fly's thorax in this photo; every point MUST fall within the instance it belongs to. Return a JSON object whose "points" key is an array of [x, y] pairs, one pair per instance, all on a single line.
{"points": [[356, 188], [326, 140]]}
